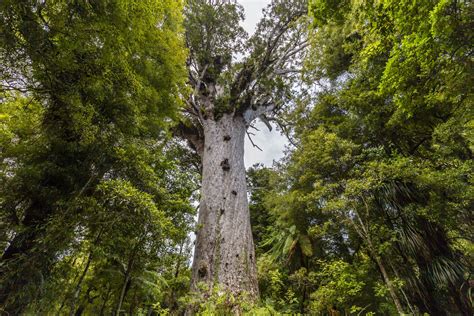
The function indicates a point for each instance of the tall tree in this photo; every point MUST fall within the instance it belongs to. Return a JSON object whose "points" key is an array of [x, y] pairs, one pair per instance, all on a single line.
{"points": [[400, 70], [383, 161], [234, 81], [102, 82]]}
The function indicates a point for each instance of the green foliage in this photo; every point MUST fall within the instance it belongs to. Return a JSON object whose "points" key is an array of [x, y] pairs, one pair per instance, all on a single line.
{"points": [[327, 10], [335, 278], [370, 213], [380, 180], [219, 302], [94, 204]]}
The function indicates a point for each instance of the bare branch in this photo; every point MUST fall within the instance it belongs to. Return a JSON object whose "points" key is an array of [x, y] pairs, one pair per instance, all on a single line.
{"points": [[264, 119], [253, 144], [251, 126], [287, 71], [192, 134], [285, 131]]}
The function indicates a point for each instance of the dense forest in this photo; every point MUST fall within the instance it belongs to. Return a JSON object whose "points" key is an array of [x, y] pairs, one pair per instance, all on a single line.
{"points": [[123, 189]]}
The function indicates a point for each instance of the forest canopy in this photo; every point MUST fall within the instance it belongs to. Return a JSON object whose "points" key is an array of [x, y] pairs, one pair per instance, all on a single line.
{"points": [[123, 189]]}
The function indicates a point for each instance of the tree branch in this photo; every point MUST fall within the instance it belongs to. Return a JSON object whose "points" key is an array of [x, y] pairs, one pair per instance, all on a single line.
{"points": [[192, 134], [253, 144], [255, 111]]}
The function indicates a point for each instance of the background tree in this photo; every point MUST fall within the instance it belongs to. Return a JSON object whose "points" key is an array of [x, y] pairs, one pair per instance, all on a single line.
{"points": [[88, 91], [380, 177]]}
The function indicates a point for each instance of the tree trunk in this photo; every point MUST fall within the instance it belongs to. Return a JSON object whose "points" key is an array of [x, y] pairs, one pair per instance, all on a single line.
{"points": [[20, 275], [364, 233], [224, 253], [77, 290], [123, 291], [127, 275], [389, 284]]}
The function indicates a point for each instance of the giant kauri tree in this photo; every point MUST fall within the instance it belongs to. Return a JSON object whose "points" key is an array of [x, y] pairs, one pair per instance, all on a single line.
{"points": [[234, 81]]}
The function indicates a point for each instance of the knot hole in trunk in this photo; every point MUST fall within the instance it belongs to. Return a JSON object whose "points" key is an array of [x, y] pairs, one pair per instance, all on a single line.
{"points": [[202, 272], [225, 165], [226, 138]]}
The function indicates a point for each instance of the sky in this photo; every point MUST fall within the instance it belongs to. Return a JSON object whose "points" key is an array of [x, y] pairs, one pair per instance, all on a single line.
{"points": [[271, 143]]}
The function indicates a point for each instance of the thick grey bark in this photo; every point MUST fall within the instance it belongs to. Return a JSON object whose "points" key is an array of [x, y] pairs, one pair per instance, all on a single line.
{"points": [[224, 253]]}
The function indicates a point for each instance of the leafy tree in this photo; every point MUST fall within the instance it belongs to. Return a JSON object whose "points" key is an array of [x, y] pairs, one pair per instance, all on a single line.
{"points": [[383, 159], [88, 91], [259, 181]]}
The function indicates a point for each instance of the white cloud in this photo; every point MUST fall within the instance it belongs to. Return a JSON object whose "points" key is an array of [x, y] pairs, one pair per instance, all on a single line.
{"points": [[253, 13], [272, 143]]}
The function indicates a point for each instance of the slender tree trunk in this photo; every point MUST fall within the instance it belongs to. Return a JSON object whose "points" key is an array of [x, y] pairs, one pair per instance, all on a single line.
{"points": [[363, 231], [178, 263], [77, 290], [122, 293], [410, 306], [224, 254], [389, 284], [127, 276]]}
